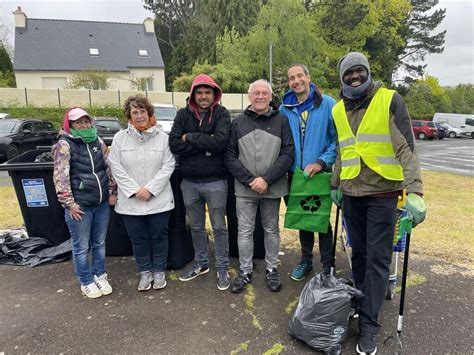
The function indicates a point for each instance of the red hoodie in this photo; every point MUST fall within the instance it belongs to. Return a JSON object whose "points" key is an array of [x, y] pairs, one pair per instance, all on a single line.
{"points": [[203, 79]]}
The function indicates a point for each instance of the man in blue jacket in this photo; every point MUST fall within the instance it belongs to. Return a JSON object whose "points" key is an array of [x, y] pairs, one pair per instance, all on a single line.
{"points": [[314, 135]]}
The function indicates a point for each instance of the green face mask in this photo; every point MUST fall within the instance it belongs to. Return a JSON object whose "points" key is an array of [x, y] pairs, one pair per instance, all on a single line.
{"points": [[89, 135]]}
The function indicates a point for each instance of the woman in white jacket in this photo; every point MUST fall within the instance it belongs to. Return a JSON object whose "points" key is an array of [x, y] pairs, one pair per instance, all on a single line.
{"points": [[142, 164]]}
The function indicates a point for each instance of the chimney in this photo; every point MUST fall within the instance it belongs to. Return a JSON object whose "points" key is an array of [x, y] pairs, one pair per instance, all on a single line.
{"points": [[149, 25], [20, 18]]}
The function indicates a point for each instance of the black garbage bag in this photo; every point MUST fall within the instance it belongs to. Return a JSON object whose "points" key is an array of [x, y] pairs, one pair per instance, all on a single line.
{"points": [[21, 250], [321, 319]]}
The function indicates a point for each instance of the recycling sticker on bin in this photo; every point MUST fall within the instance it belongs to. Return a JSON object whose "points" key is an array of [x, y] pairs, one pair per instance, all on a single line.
{"points": [[35, 192]]}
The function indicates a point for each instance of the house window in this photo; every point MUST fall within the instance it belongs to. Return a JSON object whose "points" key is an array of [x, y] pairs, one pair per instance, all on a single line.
{"points": [[149, 84], [94, 52], [143, 52]]}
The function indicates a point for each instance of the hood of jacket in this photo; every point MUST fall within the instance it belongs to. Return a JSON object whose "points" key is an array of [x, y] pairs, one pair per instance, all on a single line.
{"points": [[203, 79], [290, 99]]}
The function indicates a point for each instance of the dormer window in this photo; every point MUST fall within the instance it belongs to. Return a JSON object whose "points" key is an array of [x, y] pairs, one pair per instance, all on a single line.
{"points": [[143, 52], [94, 52]]}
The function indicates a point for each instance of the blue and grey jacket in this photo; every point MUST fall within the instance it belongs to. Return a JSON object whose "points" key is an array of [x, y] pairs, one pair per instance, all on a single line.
{"points": [[318, 145], [89, 180], [260, 146]]}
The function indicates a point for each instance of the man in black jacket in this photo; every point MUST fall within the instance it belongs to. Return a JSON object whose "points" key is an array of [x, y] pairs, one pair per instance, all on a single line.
{"points": [[199, 136], [259, 154]]}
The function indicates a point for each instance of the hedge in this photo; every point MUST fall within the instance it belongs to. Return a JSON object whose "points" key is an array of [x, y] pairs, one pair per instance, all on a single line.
{"points": [[55, 114]]}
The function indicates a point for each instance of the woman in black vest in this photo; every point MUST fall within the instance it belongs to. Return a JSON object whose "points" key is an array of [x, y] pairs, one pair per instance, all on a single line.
{"points": [[82, 181]]}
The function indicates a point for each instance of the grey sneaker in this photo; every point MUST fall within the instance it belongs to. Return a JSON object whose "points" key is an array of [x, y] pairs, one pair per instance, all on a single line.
{"points": [[159, 280], [193, 273], [146, 277], [223, 280]]}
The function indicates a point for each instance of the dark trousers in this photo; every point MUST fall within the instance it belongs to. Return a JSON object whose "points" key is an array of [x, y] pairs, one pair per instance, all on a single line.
{"points": [[149, 236], [325, 246], [307, 240], [371, 227]]}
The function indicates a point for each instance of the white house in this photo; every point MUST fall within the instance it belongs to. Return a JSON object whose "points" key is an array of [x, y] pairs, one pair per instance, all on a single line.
{"points": [[48, 52]]}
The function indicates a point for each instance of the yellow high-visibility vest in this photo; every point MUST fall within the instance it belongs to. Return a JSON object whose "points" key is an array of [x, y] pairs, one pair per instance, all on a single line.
{"points": [[373, 141]]}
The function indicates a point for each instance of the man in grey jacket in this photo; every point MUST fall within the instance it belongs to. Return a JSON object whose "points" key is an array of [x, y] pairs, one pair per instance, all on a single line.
{"points": [[259, 154]]}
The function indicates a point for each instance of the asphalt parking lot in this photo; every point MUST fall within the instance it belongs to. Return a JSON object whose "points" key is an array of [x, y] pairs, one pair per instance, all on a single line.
{"points": [[452, 155]]}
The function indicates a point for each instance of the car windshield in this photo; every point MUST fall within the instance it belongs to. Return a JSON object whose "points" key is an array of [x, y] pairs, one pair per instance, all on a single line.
{"points": [[7, 126], [109, 124], [165, 113]]}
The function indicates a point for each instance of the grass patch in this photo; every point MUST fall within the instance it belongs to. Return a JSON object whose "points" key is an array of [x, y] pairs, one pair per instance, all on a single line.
{"points": [[413, 279], [249, 300], [289, 308], [447, 231], [242, 347], [275, 349], [10, 214]]}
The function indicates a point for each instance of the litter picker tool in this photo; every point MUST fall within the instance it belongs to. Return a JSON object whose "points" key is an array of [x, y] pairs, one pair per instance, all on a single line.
{"points": [[334, 243], [404, 230]]}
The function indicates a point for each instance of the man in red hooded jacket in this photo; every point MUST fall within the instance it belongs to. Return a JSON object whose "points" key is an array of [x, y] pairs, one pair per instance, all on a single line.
{"points": [[199, 136]]}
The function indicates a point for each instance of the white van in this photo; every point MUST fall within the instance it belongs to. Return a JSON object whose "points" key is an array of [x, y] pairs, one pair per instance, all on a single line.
{"points": [[165, 114], [457, 120]]}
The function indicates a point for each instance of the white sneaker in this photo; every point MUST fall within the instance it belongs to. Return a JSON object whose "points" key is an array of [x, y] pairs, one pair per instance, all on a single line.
{"points": [[103, 284], [146, 277], [159, 280], [91, 290]]}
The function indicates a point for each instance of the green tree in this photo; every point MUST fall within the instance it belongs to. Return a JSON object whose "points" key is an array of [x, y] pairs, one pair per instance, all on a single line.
{"points": [[89, 79], [187, 29], [287, 27], [425, 97], [230, 79], [462, 98], [419, 38]]}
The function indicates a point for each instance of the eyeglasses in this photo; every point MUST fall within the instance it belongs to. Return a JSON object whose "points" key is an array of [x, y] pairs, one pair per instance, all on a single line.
{"points": [[261, 93]]}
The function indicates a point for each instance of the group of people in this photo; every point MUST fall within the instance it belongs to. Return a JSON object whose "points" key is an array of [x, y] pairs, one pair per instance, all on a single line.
{"points": [[365, 139]]}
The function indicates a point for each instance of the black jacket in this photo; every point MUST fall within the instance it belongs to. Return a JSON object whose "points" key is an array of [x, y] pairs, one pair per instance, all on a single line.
{"points": [[201, 157]]}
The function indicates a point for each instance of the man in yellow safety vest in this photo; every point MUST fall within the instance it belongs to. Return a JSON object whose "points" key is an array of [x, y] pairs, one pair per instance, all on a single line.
{"points": [[376, 161]]}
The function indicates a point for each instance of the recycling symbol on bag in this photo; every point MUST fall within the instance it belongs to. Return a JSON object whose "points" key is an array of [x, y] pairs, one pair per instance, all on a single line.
{"points": [[311, 203]]}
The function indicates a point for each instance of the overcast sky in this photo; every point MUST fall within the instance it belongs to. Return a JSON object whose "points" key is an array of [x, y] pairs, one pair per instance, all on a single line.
{"points": [[455, 65]]}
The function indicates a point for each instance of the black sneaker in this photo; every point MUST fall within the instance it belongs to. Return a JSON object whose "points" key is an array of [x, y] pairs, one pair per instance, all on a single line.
{"points": [[239, 283], [223, 281], [273, 280], [366, 344], [193, 273]]}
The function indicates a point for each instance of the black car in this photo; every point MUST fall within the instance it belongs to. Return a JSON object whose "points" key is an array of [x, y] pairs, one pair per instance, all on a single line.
{"points": [[107, 127], [21, 135]]}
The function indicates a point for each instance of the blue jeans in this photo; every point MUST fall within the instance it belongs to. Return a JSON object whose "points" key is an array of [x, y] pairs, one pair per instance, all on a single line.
{"points": [[89, 233], [214, 194], [246, 214], [149, 236]]}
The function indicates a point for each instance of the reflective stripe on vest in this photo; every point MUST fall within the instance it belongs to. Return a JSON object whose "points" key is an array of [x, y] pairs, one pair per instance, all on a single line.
{"points": [[373, 143]]}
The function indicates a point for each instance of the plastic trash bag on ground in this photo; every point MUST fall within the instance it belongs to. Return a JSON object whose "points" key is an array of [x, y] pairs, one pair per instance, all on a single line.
{"points": [[321, 319], [16, 248]]}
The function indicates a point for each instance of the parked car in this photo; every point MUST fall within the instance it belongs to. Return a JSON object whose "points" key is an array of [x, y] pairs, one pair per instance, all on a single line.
{"points": [[442, 131], [424, 129], [453, 132], [21, 135], [165, 114], [107, 127], [4, 115], [457, 120]]}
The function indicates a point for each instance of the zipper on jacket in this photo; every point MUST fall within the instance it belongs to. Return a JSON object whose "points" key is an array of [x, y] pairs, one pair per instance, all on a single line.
{"points": [[93, 173]]}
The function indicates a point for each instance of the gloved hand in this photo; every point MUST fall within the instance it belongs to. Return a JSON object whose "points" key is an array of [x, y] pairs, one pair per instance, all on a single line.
{"points": [[336, 196], [416, 208]]}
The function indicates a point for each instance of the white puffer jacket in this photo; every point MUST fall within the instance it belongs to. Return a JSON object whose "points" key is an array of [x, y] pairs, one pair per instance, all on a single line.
{"points": [[142, 159]]}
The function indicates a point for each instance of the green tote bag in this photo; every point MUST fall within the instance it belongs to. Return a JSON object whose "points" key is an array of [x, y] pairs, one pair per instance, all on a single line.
{"points": [[309, 203]]}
